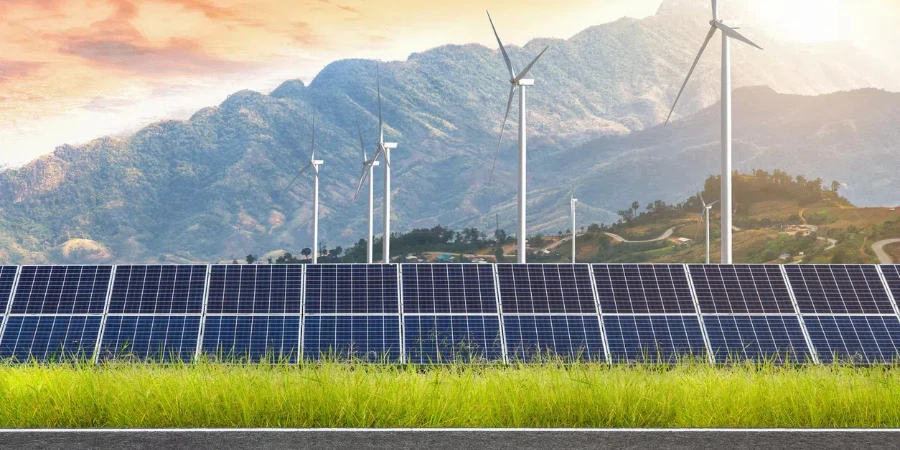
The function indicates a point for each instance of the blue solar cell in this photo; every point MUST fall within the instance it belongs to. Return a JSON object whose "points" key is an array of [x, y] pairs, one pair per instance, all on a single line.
{"points": [[7, 278], [643, 289], [352, 289], [158, 289], [550, 338], [452, 339], [150, 338], [548, 288], [775, 339], [449, 288], [892, 276], [856, 339], [273, 339], [654, 339], [50, 338], [741, 289], [360, 338], [61, 290], [835, 289], [273, 289]]}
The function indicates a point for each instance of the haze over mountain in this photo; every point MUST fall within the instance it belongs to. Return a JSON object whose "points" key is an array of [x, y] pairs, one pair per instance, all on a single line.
{"points": [[212, 187]]}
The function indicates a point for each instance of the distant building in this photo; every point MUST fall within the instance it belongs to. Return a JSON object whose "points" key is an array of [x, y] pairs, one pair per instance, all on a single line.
{"points": [[784, 256]]}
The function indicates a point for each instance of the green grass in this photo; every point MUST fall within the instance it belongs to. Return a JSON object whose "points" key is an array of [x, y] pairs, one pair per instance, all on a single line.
{"points": [[335, 395]]}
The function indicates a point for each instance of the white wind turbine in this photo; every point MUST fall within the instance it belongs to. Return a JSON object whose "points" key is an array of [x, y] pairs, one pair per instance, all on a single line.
{"points": [[518, 81], [314, 163], [727, 32], [368, 170], [706, 209], [385, 149]]}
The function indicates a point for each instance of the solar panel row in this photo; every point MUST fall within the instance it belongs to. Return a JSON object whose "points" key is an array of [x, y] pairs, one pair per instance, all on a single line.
{"points": [[430, 314]]}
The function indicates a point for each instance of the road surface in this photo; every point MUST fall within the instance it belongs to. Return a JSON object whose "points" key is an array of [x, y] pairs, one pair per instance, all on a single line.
{"points": [[664, 236], [450, 439], [883, 256]]}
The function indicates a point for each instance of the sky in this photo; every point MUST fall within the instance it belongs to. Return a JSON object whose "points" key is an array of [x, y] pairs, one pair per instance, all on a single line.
{"points": [[75, 70]]}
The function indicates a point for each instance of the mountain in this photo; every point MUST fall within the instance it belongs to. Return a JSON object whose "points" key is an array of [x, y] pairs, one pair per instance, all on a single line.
{"points": [[212, 187]]}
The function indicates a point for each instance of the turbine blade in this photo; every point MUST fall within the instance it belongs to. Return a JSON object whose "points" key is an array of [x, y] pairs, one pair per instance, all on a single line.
{"points": [[701, 198], [387, 159], [362, 179], [512, 93], [732, 33], [362, 143], [709, 36], [529, 66], [509, 66], [715, 9], [297, 176], [713, 203]]}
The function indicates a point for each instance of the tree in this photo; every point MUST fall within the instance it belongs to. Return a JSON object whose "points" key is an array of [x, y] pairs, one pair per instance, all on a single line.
{"points": [[498, 254], [835, 185], [306, 252], [635, 205], [270, 261], [251, 259], [336, 252]]}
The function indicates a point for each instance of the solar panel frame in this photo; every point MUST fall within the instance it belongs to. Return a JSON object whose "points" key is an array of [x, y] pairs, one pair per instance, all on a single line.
{"points": [[548, 340], [124, 332], [256, 288], [689, 330], [244, 334], [531, 289], [827, 292], [621, 289], [720, 329], [64, 291], [343, 333], [740, 289], [447, 289], [42, 338], [432, 339], [9, 277], [890, 277], [142, 289], [826, 330], [315, 311]]}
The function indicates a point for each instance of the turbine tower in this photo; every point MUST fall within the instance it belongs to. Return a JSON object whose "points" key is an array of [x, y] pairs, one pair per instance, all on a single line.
{"points": [[573, 201], [727, 34], [517, 81], [314, 163], [368, 170], [706, 209], [385, 149]]}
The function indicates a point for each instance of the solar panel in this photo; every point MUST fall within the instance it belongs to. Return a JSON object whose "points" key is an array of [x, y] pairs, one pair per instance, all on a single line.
{"points": [[373, 339], [644, 288], [550, 288], [855, 339], [274, 339], [452, 339], [552, 338], [150, 338], [448, 288], [834, 289], [7, 278], [892, 276], [775, 339], [352, 289], [61, 290], [50, 338], [654, 339], [741, 289], [273, 289], [158, 289]]}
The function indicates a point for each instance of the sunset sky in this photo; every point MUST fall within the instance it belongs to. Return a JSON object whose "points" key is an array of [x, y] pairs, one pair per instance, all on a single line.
{"points": [[73, 70]]}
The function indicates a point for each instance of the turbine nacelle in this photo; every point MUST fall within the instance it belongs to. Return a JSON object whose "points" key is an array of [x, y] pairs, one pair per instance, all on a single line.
{"points": [[525, 82]]}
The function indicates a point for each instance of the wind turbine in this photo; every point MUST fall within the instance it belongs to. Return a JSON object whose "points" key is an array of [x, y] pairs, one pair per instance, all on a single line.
{"points": [[727, 33], [385, 149], [706, 209], [314, 163], [368, 170], [517, 81], [573, 201]]}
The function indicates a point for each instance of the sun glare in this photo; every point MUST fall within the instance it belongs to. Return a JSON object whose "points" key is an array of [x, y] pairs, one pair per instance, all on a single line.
{"points": [[808, 20]]}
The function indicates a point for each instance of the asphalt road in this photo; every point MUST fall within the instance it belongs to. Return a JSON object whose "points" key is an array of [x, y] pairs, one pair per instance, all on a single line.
{"points": [[451, 439], [883, 256]]}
